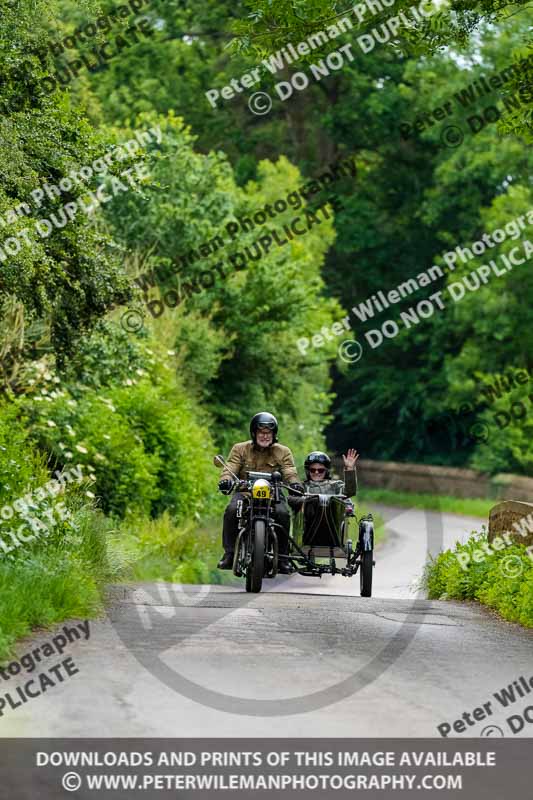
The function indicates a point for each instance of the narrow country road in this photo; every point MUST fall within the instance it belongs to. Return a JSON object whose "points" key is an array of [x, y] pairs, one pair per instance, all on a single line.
{"points": [[306, 657]]}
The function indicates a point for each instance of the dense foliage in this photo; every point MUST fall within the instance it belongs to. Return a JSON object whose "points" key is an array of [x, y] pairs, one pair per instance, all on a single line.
{"points": [[502, 580], [415, 197]]}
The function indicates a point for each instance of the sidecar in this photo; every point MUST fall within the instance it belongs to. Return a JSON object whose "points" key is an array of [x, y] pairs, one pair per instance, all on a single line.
{"points": [[322, 534]]}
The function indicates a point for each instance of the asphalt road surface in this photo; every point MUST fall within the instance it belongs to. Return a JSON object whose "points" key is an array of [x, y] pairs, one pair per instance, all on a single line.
{"points": [[306, 657]]}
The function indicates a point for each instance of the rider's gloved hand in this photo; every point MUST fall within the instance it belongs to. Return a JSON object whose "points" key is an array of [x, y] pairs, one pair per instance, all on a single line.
{"points": [[225, 485], [294, 502], [297, 488]]}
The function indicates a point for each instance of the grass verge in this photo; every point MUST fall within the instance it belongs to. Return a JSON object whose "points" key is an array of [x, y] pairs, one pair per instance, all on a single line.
{"points": [[66, 578], [161, 550], [59, 581], [473, 507], [503, 580]]}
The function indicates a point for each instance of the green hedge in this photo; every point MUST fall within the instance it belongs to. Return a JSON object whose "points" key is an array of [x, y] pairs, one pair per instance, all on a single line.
{"points": [[60, 574], [61, 580], [142, 441], [503, 580]]}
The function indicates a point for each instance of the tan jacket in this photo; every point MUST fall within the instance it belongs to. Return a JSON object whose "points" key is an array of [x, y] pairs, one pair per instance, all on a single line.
{"points": [[245, 457]]}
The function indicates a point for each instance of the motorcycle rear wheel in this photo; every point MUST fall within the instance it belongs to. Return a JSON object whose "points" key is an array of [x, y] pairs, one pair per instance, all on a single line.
{"points": [[256, 568]]}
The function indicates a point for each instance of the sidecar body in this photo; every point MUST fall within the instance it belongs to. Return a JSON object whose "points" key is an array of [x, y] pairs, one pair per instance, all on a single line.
{"points": [[321, 535]]}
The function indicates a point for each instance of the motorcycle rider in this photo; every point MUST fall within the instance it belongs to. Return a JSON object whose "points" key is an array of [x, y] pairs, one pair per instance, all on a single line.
{"points": [[261, 453]]}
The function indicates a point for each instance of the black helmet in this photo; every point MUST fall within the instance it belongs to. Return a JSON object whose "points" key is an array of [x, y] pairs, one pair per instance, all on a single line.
{"points": [[317, 456], [265, 420]]}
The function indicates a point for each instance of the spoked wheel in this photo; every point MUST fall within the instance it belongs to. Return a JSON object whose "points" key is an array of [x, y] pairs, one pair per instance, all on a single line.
{"points": [[256, 568], [365, 573]]}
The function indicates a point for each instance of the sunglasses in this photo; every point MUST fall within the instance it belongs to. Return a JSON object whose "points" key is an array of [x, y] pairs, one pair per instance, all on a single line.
{"points": [[319, 470]]}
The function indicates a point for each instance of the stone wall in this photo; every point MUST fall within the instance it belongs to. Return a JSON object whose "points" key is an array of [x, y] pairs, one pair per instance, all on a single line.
{"points": [[451, 481], [504, 516]]}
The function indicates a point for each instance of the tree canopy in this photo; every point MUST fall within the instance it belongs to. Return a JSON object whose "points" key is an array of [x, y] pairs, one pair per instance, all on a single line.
{"points": [[438, 140]]}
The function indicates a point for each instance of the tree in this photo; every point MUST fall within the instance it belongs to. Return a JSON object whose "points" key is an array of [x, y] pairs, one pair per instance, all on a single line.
{"points": [[65, 278]]}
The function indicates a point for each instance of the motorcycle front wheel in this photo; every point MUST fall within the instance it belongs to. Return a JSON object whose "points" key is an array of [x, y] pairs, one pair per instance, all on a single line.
{"points": [[256, 568]]}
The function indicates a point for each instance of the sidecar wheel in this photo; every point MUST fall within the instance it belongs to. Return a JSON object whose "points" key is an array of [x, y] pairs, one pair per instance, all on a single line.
{"points": [[365, 573], [256, 570]]}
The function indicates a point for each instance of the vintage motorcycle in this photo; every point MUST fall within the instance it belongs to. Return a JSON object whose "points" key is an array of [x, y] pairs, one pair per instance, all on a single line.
{"points": [[319, 531]]}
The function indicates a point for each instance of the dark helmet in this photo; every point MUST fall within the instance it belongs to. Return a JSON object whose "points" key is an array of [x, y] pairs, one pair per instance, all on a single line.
{"points": [[317, 457], [266, 420]]}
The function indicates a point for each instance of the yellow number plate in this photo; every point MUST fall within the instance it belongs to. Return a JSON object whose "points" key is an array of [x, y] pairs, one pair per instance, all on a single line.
{"points": [[261, 490]]}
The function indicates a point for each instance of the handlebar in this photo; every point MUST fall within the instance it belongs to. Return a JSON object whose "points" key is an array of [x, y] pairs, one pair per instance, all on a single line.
{"points": [[245, 485]]}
